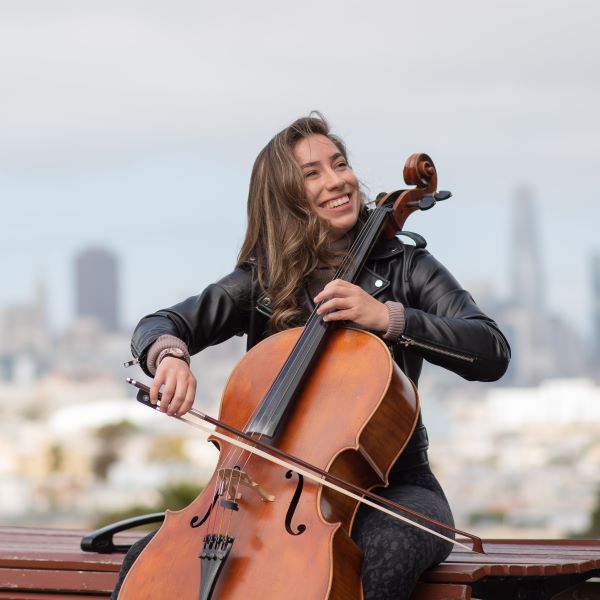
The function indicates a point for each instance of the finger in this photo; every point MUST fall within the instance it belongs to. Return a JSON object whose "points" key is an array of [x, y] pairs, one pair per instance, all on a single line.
{"points": [[184, 383], [329, 290], [325, 297], [334, 304], [167, 393], [189, 398], [335, 288], [340, 315], [155, 387], [178, 397]]}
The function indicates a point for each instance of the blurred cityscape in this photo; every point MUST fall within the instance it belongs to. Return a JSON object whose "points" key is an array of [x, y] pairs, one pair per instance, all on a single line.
{"points": [[520, 457]]}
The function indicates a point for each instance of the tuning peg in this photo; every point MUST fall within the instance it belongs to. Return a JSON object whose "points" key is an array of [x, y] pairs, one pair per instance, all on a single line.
{"points": [[426, 202]]}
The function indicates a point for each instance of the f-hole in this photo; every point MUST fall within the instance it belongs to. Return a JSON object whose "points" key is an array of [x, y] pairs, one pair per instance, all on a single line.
{"points": [[196, 521], [293, 504]]}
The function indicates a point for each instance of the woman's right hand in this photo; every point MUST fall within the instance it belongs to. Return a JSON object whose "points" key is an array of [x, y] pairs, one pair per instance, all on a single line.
{"points": [[179, 388]]}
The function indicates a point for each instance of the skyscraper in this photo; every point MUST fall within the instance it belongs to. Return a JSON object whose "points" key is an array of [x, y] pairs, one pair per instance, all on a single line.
{"points": [[531, 354], [543, 345], [527, 277], [96, 286]]}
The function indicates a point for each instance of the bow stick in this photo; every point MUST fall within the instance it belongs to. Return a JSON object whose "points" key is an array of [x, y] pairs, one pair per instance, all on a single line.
{"points": [[195, 418]]}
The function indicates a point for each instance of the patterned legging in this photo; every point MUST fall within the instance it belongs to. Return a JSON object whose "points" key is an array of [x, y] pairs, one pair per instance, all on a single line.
{"points": [[395, 553]]}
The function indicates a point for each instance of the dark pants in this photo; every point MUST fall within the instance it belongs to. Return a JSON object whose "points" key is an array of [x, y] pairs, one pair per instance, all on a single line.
{"points": [[395, 553]]}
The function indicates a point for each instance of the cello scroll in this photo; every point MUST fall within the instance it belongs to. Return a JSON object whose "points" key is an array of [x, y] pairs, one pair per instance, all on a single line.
{"points": [[419, 171]]}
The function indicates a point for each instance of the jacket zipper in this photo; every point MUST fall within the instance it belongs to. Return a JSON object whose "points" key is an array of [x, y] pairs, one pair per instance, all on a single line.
{"points": [[406, 341]]}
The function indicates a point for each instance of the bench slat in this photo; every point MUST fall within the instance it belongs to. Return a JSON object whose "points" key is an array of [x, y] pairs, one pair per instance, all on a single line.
{"points": [[56, 581], [18, 595], [448, 591]]}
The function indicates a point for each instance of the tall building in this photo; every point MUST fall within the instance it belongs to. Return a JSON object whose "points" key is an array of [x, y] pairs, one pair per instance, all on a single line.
{"points": [[543, 345], [96, 286], [527, 275], [530, 357]]}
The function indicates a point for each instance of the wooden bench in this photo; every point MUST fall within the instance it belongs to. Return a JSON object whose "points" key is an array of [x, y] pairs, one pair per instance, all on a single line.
{"points": [[48, 564], [518, 569]]}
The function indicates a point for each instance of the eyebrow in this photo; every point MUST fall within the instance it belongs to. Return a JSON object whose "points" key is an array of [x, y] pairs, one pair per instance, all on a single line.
{"points": [[316, 162]]}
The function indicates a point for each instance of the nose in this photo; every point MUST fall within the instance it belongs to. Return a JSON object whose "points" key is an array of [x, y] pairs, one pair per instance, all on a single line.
{"points": [[334, 180]]}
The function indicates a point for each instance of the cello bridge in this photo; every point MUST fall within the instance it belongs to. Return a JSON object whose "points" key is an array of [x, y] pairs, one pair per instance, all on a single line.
{"points": [[232, 479]]}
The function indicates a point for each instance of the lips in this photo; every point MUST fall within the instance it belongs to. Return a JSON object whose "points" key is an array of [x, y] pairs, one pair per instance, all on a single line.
{"points": [[340, 201]]}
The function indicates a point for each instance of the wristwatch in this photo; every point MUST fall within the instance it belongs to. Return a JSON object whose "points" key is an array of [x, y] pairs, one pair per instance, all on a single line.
{"points": [[175, 353]]}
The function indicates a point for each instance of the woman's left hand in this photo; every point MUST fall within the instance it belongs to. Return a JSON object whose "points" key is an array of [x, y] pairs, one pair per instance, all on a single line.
{"points": [[343, 301]]}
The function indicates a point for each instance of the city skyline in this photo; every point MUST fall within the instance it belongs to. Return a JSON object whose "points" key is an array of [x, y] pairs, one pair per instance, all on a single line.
{"points": [[534, 270], [165, 267]]}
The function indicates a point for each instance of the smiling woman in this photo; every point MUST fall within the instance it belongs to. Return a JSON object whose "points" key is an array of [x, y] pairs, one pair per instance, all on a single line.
{"points": [[330, 184], [297, 183], [305, 209]]}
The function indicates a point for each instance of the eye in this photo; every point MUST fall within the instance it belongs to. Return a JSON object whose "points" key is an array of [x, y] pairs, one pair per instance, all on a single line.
{"points": [[342, 164], [308, 174]]}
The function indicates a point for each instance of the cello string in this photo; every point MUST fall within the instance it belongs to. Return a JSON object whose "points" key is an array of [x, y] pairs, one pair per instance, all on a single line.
{"points": [[226, 514], [348, 261], [306, 348], [266, 419], [217, 513], [235, 499], [212, 515], [306, 344]]}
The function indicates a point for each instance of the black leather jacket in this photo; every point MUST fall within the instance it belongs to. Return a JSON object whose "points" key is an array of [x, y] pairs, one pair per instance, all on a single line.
{"points": [[443, 323]]}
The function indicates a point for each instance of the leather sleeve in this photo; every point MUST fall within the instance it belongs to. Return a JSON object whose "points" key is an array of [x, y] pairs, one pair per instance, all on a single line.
{"points": [[447, 328], [218, 313]]}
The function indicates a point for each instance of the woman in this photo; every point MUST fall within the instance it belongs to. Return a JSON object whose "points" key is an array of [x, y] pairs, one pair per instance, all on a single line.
{"points": [[304, 208]]}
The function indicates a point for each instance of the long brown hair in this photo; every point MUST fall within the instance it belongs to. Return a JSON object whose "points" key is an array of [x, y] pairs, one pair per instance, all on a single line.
{"points": [[284, 237]]}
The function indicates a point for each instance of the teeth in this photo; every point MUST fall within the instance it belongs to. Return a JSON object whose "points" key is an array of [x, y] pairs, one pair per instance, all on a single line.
{"points": [[337, 202]]}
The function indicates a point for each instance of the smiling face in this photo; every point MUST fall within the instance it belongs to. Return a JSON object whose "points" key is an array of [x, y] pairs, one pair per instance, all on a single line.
{"points": [[330, 185]]}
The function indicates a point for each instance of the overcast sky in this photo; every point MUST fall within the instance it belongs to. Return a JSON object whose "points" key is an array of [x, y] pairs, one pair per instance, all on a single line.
{"points": [[134, 125]]}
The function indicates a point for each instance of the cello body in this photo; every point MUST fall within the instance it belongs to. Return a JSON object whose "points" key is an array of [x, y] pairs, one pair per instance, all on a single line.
{"points": [[291, 537]]}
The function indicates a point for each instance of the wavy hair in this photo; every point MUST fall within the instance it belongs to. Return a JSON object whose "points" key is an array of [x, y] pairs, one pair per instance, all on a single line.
{"points": [[284, 237]]}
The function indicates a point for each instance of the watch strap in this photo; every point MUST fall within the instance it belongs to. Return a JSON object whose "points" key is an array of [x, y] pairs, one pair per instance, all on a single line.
{"points": [[174, 353], [164, 342]]}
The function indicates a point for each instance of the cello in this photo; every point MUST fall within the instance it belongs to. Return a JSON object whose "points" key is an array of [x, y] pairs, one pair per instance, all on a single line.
{"points": [[259, 531]]}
